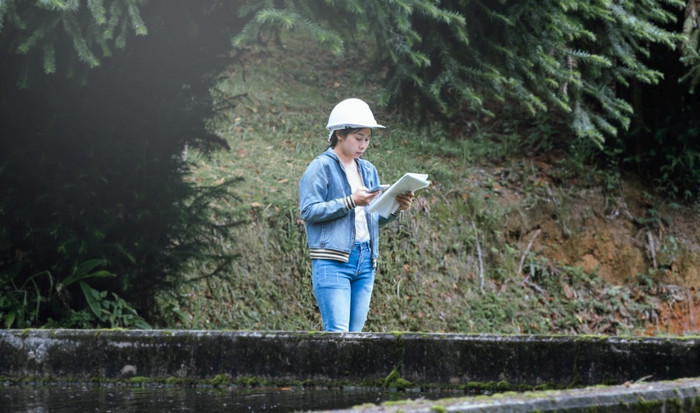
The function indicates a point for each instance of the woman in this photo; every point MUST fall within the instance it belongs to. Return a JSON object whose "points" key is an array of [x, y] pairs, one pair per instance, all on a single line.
{"points": [[342, 238]]}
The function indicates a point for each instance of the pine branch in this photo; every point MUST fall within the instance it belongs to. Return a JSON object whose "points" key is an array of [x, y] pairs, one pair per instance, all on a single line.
{"points": [[98, 11], [136, 23], [49, 59]]}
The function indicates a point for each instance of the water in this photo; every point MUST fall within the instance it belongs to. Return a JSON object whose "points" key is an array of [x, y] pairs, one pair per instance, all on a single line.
{"points": [[73, 398]]}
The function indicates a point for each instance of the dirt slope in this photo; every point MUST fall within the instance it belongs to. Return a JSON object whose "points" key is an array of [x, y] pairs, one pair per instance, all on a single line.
{"points": [[621, 238]]}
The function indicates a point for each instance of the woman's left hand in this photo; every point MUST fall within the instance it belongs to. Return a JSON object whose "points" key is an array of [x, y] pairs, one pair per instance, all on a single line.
{"points": [[404, 200]]}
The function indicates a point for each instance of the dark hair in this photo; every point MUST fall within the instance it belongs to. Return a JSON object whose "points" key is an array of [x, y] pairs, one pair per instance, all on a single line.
{"points": [[343, 132]]}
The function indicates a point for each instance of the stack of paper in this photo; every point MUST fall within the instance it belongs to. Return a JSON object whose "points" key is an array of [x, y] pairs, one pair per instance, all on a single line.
{"points": [[386, 203]]}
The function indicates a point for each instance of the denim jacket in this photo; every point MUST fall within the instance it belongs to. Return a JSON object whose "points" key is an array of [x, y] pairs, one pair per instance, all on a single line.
{"points": [[327, 208]]}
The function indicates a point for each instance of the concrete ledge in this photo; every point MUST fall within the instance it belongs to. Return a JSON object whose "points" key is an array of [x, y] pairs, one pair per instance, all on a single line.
{"points": [[436, 359], [663, 397]]}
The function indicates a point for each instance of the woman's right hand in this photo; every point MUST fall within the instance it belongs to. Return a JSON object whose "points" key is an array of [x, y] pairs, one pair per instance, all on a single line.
{"points": [[362, 198]]}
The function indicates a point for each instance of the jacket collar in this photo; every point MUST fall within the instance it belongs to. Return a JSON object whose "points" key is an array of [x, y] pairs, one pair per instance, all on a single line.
{"points": [[331, 153]]}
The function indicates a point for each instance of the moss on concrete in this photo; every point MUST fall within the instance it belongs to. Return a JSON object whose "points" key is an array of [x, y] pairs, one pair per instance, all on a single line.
{"points": [[394, 380]]}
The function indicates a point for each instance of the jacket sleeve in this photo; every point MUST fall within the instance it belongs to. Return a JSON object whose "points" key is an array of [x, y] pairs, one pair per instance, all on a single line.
{"points": [[383, 221], [314, 189]]}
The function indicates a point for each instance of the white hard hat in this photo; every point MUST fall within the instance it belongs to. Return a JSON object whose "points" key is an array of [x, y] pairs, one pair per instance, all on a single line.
{"points": [[351, 113]]}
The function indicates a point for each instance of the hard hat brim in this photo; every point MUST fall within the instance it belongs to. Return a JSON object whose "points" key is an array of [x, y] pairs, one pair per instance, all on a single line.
{"points": [[345, 125]]}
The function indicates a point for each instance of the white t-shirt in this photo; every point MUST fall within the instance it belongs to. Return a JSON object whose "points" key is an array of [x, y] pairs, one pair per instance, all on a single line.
{"points": [[361, 231]]}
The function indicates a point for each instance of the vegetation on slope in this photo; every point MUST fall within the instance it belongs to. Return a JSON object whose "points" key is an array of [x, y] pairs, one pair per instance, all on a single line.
{"points": [[513, 236]]}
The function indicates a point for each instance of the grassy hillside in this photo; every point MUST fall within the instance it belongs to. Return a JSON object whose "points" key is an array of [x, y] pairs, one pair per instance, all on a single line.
{"points": [[512, 237]]}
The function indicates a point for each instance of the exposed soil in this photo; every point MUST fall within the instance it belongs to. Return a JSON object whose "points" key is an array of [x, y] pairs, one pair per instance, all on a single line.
{"points": [[619, 238]]}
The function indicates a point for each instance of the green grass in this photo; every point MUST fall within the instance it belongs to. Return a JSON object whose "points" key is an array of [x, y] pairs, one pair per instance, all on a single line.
{"points": [[428, 276]]}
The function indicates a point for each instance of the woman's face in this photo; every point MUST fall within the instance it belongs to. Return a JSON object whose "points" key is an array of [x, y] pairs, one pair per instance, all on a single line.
{"points": [[353, 145]]}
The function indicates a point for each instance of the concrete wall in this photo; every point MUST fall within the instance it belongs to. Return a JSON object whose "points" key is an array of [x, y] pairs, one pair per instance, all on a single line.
{"points": [[351, 357]]}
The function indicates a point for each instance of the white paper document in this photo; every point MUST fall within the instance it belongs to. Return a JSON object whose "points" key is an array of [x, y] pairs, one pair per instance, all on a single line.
{"points": [[386, 204]]}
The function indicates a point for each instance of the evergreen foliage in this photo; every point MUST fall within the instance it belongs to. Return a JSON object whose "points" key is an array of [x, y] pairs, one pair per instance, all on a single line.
{"points": [[94, 29], [96, 214], [567, 57]]}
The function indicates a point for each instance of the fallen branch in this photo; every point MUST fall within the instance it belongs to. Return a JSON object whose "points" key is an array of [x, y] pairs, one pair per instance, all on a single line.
{"points": [[652, 249], [529, 245], [690, 310], [536, 287], [481, 260]]}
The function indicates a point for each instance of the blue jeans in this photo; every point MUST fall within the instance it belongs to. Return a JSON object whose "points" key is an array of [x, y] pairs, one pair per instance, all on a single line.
{"points": [[343, 290]]}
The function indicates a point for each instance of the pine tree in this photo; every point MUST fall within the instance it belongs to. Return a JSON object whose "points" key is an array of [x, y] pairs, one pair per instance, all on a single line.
{"points": [[566, 56]]}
